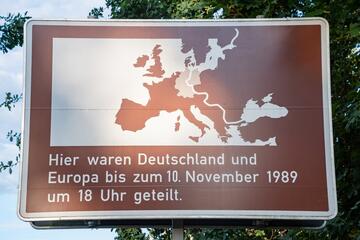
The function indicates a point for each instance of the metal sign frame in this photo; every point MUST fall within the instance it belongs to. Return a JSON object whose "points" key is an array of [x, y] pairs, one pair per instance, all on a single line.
{"points": [[182, 214], [186, 223]]}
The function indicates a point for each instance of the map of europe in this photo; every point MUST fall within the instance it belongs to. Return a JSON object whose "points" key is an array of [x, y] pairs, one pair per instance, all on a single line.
{"points": [[188, 94]]}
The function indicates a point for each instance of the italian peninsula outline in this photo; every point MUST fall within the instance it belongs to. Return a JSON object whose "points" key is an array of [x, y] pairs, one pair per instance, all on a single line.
{"points": [[179, 92]]}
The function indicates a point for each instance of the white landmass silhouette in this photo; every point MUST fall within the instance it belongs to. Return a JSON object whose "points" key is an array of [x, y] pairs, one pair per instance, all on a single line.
{"points": [[190, 77], [81, 102]]}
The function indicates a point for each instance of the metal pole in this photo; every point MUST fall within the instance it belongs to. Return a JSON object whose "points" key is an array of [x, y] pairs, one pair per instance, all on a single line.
{"points": [[177, 229]]}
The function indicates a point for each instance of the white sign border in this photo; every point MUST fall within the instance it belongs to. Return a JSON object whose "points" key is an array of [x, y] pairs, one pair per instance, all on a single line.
{"points": [[181, 214]]}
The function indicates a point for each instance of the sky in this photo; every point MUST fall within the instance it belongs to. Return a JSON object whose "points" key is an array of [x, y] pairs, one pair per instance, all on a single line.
{"points": [[11, 80]]}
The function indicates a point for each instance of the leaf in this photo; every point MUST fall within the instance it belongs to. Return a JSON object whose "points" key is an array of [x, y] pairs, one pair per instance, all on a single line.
{"points": [[314, 13], [355, 29]]}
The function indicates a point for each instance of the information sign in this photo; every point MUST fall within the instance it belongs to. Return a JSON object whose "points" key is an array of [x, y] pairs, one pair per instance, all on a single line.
{"points": [[178, 119]]}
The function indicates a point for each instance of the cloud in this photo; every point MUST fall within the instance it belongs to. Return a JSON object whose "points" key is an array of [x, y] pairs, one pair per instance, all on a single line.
{"points": [[11, 67], [9, 221], [51, 8], [9, 120]]}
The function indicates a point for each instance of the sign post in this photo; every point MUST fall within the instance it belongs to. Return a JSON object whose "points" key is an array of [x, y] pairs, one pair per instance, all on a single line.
{"points": [[177, 229], [177, 120]]}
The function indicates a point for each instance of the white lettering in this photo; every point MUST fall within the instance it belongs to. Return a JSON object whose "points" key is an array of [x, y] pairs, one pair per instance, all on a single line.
{"points": [[82, 179], [61, 160], [236, 177]]}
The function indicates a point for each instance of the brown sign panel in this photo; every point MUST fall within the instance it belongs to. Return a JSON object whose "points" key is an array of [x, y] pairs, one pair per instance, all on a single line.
{"points": [[177, 119]]}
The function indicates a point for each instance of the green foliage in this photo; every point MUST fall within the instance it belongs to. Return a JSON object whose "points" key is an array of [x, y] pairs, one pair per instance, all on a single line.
{"points": [[97, 12], [14, 137], [194, 9], [11, 35], [214, 234], [10, 100], [345, 73], [142, 9], [159, 233], [344, 19], [130, 234], [11, 31]]}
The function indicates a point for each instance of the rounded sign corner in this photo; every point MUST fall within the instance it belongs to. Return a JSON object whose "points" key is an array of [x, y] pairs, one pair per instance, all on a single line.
{"points": [[323, 22], [22, 214], [333, 211], [29, 23]]}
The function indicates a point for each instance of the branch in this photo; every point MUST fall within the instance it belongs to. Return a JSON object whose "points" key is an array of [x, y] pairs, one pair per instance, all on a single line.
{"points": [[10, 100], [11, 32]]}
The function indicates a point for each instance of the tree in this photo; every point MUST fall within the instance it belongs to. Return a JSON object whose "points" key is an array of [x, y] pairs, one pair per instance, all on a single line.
{"points": [[11, 36], [344, 19], [12, 31], [130, 234]]}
